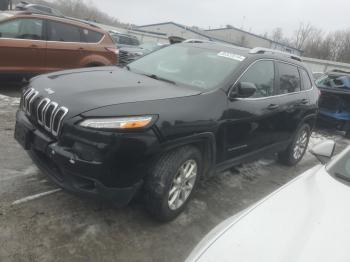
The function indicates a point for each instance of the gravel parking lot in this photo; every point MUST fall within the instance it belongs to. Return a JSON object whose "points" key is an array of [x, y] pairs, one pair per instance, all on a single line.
{"points": [[39, 222]]}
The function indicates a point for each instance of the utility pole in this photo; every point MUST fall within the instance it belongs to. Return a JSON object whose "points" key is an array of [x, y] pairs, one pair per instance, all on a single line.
{"points": [[243, 21]]}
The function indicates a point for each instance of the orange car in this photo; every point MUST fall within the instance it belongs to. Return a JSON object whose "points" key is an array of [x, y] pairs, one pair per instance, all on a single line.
{"points": [[32, 44]]}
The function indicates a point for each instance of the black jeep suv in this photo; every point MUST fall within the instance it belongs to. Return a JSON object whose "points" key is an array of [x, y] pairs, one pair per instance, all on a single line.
{"points": [[157, 126]]}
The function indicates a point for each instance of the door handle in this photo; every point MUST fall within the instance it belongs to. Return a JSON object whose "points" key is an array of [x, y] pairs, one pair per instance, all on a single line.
{"points": [[273, 106], [304, 101], [33, 46]]}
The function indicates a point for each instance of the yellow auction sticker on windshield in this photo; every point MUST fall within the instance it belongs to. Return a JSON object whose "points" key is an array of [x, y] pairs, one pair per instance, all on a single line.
{"points": [[231, 56]]}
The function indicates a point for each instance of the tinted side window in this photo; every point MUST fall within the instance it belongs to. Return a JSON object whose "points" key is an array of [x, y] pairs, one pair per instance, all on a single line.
{"points": [[262, 74], [289, 78], [63, 32], [134, 41], [123, 40], [92, 36], [306, 80], [115, 38], [22, 29]]}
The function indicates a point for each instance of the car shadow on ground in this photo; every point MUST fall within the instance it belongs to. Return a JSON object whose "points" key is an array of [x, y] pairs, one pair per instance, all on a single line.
{"points": [[11, 88]]}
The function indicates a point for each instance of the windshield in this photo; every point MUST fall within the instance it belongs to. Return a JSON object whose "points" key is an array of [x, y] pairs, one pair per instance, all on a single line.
{"points": [[340, 168], [189, 65]]}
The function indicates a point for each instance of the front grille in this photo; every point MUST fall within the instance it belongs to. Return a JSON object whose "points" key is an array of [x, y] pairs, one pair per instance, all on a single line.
{"points": [[126, 57], [45, 112], [123, 57]]}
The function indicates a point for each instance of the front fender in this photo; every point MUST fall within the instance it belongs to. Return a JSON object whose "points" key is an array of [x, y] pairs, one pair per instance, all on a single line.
{"points": [[206, 142]]}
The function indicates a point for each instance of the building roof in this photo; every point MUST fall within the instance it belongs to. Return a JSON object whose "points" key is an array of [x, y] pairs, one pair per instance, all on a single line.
{"points": [[190, 29], [202, 33], [146, 31], [252, 34]]}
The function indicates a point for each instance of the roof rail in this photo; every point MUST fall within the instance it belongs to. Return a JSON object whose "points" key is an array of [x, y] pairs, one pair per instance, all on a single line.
{"points": [[197, 41], [27, 12], [339, 71], [263, 50], [37, 12]]}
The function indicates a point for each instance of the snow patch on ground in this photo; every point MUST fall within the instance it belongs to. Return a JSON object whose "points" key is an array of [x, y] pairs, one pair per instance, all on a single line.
{"points": [[90, 232], [318, 137], [315, 139], [232, 180], [31, 170], [9, 101], [191, 214]]}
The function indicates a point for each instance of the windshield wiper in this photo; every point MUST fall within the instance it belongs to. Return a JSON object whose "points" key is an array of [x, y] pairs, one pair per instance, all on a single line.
{"points": [[127, 67], [341, 176], [160, 78]]}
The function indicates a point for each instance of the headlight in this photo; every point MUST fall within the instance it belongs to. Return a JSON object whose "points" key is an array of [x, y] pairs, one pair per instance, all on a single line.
{"points": [[117, 122]]}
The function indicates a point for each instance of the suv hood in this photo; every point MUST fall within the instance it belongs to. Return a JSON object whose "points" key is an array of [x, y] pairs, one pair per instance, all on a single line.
{"points": [[86, 89]]}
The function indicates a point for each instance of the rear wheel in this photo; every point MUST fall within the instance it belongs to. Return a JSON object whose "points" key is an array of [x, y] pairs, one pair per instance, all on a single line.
{"points": [[296, 150], [171, 182]]}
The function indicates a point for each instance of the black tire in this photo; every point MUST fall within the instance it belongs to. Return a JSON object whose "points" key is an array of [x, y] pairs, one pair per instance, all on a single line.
{"points": [[160, 181], [288, 157]]}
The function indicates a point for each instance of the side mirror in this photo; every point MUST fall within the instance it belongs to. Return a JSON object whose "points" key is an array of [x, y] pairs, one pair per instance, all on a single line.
{"points": [[243, 89], [324, 151]]}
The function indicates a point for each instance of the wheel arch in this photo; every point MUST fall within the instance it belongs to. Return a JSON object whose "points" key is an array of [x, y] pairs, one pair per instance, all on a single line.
{"points": [[205, 142], [95, 60], [309, 119]]}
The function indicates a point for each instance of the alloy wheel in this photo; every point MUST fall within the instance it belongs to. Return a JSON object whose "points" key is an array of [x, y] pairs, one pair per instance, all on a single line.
{"points": [[300, 145], [182, 184]]}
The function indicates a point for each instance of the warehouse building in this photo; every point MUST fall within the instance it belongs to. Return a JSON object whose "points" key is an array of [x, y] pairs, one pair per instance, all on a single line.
{"points": [[250, 40], [174, 29], [230, 35]]}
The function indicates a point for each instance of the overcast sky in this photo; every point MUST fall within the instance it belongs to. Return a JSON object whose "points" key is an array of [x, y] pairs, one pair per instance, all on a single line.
{"points": [[257, 16]]}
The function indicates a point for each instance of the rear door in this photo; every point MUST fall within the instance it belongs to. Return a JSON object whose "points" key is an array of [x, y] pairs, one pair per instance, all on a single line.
{"points": [[294, 100], [90, 47], [252, 123], [22, 46], [64, 46]]}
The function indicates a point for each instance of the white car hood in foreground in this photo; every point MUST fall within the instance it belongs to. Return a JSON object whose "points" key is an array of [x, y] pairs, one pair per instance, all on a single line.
{"points": [[307, 220]]}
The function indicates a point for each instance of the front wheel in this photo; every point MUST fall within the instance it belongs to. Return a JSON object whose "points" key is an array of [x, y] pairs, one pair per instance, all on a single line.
{"points": [[171, 182], [296, 150]]}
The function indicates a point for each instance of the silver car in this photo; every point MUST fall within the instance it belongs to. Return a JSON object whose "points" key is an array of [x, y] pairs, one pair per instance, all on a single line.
{"points": [[307, 220]]}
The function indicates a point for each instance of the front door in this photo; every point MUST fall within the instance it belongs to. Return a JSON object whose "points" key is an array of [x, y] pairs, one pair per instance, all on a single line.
{"points": [[22, 46], [252, 122]]}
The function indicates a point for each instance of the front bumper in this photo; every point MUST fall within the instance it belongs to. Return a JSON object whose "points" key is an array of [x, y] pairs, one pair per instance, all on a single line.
{"points": [[66, 169]]}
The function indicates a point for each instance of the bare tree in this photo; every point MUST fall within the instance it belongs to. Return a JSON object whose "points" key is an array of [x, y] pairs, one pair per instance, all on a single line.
{"points": [[277, 34], [302, 34], [333, 46]]}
